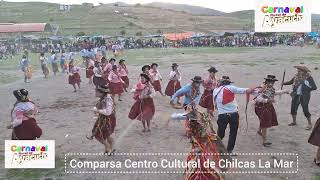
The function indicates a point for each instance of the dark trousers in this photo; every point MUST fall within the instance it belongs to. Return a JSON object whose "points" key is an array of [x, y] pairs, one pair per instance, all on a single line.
{"points": [[233, 120], [304, 101]]}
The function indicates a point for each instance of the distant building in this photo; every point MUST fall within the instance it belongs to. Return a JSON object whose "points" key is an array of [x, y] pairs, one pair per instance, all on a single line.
{"points": [[64, 7]]}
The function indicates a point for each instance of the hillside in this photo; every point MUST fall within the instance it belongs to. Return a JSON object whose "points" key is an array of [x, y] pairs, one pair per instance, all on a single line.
{"points": [[108, 19], [195, 10]]}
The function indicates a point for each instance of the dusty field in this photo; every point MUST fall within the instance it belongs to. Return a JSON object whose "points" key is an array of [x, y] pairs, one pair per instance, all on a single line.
{"points": [[66, 117]]}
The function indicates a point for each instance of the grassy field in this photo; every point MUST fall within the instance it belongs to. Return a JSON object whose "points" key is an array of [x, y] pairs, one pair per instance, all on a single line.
{"points": [[104, 20]]}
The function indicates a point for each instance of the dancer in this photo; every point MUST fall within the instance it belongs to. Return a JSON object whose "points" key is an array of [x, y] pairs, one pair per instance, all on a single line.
{"points": [[190, 91], [209, 84], [23, 120], [264, 107], [192, 97], [123, 73], [74, 76], [224, 98], [108, 68], [24, 63], [174, 82], [205, 147], [44, 66], [157, 78], [116, 83], [98, 73], [145, 70], [314, 139], [54, 63], [302, 84], [63, 61], [106, 119], [143, 109], [89, 70]]}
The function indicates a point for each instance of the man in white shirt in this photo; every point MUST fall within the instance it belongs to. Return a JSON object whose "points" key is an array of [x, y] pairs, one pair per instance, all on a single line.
{"points": [[224, 99]]}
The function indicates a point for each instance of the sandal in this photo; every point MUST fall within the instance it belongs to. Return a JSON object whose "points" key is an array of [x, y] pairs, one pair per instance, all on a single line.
{"points": [[90, 138], [292, 124], [112, 152], [317, 163], [309, 127], [267, 144]]}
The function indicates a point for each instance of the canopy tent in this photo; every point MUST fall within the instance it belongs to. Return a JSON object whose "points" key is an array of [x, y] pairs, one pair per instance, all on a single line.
{"points": [[178, 36], [24, 27]]}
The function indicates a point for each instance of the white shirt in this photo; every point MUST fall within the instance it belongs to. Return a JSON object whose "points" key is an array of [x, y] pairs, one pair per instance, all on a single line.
{"points": [[299, 91], [231, 107]]}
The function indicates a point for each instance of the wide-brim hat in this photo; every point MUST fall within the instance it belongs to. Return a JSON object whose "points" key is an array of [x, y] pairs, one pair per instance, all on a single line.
{"points": [[174, 65], [302, 68], [145, 76], [197, 79], [213, 69], [271, 78], [103, 88], [144, 67], [225, 80]]}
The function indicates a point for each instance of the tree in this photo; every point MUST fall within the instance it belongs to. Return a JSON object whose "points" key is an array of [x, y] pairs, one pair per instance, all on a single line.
{"points": [[51, 19], [123, 32], [159, 31], [139, 33], [131, 24]]}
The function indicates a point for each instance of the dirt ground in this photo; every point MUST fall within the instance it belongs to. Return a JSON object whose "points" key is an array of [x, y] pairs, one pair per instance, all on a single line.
{"points": [[67, 117]]}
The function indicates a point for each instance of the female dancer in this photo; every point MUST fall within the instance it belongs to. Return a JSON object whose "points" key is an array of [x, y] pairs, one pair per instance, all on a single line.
{"points": [[143, 109], [23, 120], [209, 84], [314, 139], [89, 70], [116, 83], [157, 78], [44, 67], [123, 73], [106, 120], [98, 73], [74, 76], [174, 82]]}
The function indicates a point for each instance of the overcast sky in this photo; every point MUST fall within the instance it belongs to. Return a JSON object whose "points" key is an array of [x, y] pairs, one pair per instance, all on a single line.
{"points": [[221, 5]]}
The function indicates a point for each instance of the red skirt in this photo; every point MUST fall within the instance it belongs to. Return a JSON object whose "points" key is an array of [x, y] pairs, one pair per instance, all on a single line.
{"points": [[266, 114], [28, 130], [206, 100], [156, 85], [116, 88], [104, 127], [172, 87], [89, 72], [126, 80], [142, 110], [314, 138], [74, 79]]}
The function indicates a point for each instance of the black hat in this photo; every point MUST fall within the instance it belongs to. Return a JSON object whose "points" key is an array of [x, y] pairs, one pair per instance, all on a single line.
{"points": [[271, 78], [174, 65], [122, 60], [103, 88], [24, 92], [112, 59], [225, 80], [154, 64], [144, 67], [145, 76], [213, 69], [197, 79], [19, 96]]}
